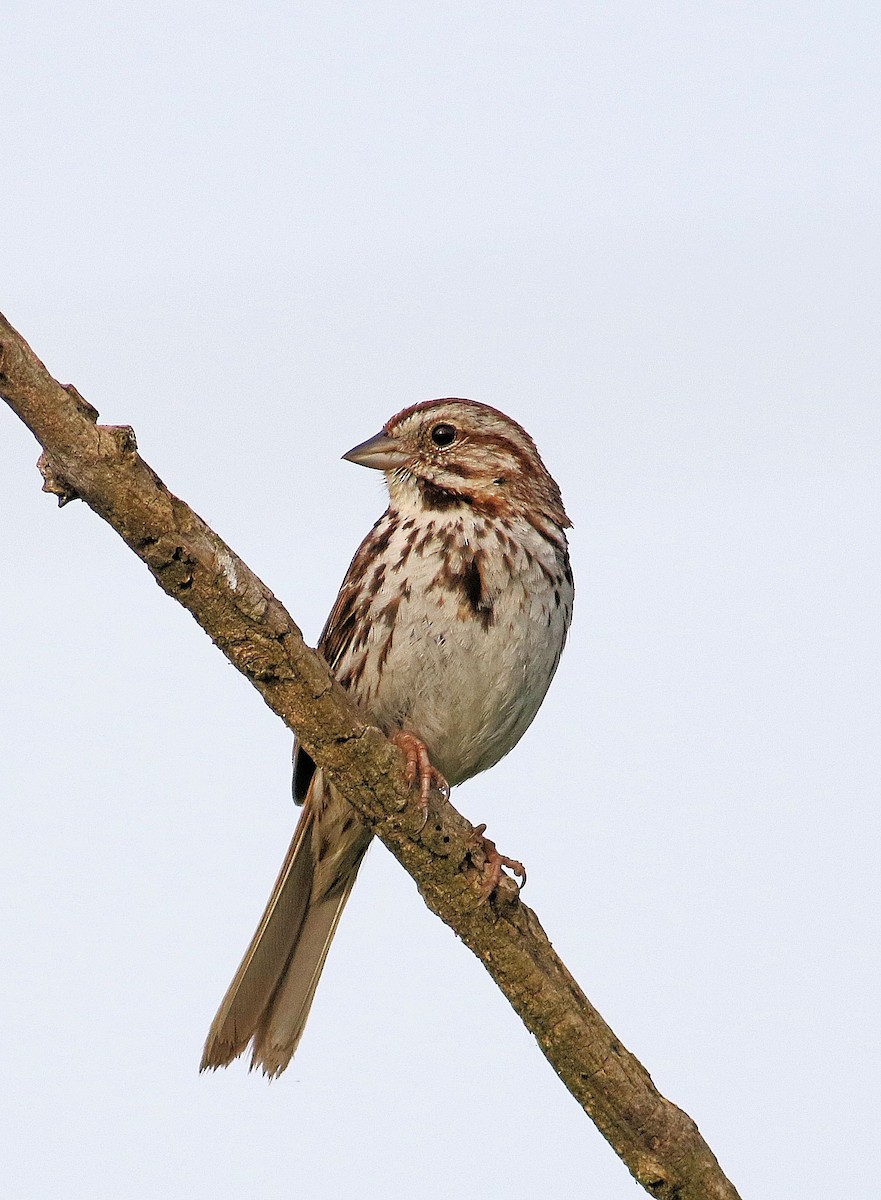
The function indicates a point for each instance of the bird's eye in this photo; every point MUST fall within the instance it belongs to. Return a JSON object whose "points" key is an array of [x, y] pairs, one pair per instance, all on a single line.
{"points": [[443, 435]]}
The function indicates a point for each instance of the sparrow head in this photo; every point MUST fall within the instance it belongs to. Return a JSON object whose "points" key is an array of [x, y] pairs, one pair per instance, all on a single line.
{"points": [[443, 454]]}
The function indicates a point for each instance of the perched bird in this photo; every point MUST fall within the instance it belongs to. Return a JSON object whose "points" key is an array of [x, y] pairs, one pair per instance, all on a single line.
{"points": [[447, 632]]}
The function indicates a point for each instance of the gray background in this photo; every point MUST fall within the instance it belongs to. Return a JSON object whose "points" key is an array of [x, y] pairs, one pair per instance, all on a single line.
{"points": [[648, 232]]}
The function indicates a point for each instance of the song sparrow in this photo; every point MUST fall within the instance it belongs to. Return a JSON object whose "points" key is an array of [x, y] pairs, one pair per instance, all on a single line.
{"points": [[447, 631]]}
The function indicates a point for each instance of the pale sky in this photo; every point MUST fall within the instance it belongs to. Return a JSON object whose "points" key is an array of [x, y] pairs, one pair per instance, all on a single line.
{"points": [[649, 233]]}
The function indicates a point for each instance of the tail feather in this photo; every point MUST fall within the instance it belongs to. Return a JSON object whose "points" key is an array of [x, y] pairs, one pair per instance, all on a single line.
{"points": [[272, 991], [283, 1022]]}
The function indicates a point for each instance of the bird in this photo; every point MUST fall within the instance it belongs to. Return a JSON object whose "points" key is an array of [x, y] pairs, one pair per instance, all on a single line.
{"points": [[446, 632]]}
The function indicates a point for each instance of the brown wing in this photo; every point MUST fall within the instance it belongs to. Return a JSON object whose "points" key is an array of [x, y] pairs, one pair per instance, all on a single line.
{"points": [[348, 624]]}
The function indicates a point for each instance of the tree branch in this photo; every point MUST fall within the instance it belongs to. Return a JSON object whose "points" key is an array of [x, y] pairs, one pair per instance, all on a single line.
{"points": [[658, 1142]]}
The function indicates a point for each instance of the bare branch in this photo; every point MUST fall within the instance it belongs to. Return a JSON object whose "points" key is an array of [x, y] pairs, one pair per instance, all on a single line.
{"points": [[658, 1142]]}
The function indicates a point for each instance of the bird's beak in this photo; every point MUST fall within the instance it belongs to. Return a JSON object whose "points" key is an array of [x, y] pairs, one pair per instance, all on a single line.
{"points": [[381, 452]]}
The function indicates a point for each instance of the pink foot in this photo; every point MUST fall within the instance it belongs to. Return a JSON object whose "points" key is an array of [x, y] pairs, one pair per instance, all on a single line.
{"points": [[419, 767], [491, 871]]}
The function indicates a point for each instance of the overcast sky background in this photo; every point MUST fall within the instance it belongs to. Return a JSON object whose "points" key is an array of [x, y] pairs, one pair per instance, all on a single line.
{"points": [[649, 232]]}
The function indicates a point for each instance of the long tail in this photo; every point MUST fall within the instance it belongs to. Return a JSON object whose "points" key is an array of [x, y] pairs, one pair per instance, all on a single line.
{"points": [[271, 994]]}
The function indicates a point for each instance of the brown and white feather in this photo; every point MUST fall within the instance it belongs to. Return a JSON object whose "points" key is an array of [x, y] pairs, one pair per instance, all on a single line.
{"points": [[449, 625]]}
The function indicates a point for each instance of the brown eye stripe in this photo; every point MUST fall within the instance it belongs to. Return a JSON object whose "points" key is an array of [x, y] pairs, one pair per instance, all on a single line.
{"points": [[526, 459]]}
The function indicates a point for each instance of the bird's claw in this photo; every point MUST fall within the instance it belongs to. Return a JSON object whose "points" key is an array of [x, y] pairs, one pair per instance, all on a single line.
{"points": [[491, 869], [419, 767]]}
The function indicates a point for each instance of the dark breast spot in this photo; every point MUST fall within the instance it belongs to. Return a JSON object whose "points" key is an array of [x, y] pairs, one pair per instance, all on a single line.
{"points": [[478, 600], [472, 584]]}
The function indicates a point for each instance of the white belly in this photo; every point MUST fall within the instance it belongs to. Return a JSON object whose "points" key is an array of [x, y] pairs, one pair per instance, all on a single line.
{"points": [[468, 683]]}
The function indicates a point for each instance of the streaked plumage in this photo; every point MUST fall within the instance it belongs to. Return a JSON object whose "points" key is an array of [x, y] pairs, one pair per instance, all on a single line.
{"points": [[449, 625]]}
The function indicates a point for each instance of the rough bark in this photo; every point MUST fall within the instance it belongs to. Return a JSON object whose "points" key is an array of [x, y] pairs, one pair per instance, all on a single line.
{"points": [[658, 1142]]}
